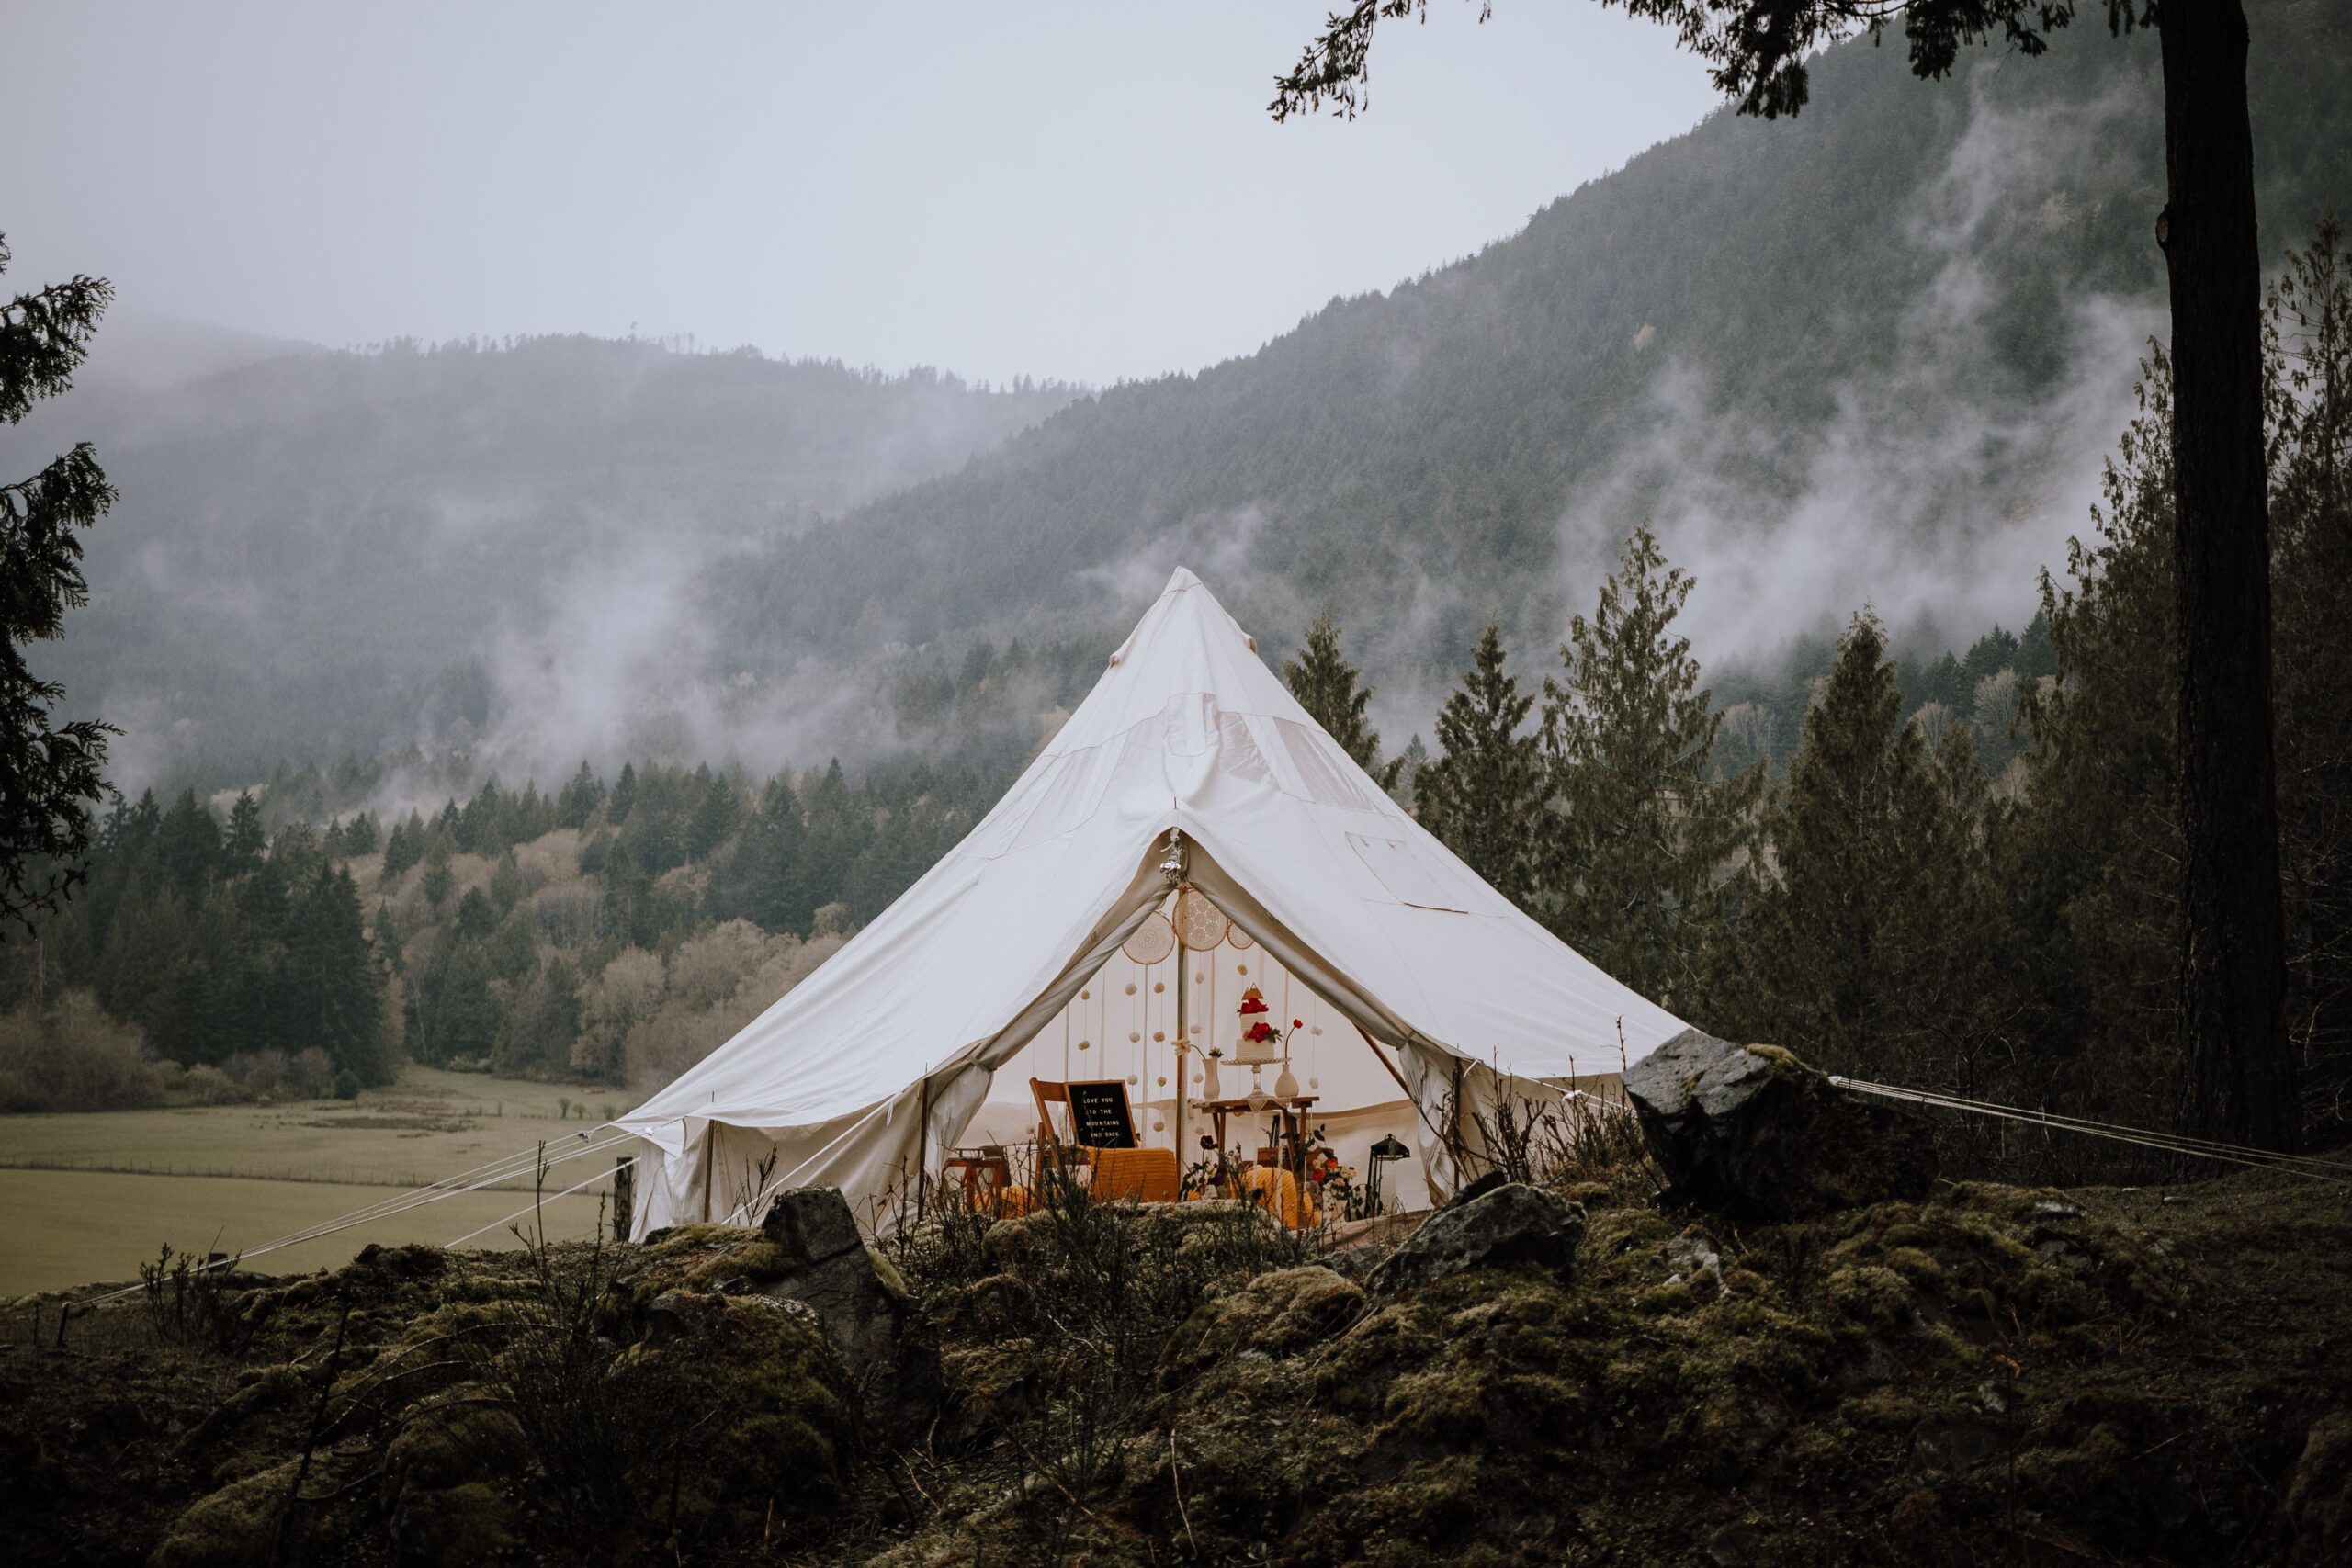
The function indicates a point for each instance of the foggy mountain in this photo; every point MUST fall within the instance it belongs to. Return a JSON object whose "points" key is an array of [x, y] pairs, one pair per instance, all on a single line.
{"points": [[1875, 354], [319, 552]]}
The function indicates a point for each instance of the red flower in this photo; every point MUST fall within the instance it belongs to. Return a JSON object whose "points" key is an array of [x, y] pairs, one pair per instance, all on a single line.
{"points": [[1295, 1023], [1259, 1031]]}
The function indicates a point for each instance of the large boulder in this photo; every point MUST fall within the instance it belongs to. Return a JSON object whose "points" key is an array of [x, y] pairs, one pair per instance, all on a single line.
{"points": [[820, 1260], [1511, 1225], [1752, 1133], [759, 1419]]}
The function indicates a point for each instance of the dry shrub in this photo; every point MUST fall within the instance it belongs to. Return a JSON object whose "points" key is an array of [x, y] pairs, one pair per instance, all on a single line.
{"points": [[72, 1057], [1545, 1136], [551, 858], [567, 913], [714, 984]]}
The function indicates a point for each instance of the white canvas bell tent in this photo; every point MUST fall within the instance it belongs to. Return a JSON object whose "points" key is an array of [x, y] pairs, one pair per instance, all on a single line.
{"points": [[991, 969]]}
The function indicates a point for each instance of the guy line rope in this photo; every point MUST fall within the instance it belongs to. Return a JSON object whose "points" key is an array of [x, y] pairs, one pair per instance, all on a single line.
{"points": [[542, 1157], [547, 1156], [2312, 1166]]}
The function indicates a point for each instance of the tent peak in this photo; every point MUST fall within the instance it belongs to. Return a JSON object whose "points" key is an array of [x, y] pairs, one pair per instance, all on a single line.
{"points": [[1187, 603]]}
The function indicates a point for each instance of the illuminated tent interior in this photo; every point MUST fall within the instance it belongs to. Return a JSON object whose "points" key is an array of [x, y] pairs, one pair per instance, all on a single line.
{"points": [[1121, 1026], [1189, 795]]}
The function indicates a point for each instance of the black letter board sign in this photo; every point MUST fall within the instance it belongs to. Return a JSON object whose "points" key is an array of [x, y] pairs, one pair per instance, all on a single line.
{"points": [[1099, 1113]]}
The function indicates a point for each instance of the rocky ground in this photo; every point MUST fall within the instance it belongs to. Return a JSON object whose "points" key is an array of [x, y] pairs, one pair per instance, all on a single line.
{"points": [[1568, 1371]]}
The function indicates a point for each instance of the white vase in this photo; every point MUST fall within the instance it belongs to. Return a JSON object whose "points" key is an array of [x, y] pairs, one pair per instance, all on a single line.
{"points": [[1209, 1086], [1286, 1086]]}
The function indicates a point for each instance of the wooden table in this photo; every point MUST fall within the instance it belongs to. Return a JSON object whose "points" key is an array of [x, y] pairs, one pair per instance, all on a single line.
{"points": [[1293, 1115], [983, 1170]]}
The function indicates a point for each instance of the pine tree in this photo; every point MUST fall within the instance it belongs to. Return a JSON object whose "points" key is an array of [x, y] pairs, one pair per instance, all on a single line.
{"points": [[335, 995], [1832, 940], [580, 800], [51, 774], [759, 880], [190, 840], [1483, 795], [241, 848], [623, 797], [716, 809], [438, 878], [1636, 845], [1326, 686], [400, 852]]}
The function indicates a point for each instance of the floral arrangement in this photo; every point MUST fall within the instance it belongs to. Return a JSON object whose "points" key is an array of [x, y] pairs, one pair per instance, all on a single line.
{"points": [[1253, 1006], [1332, 1184]]}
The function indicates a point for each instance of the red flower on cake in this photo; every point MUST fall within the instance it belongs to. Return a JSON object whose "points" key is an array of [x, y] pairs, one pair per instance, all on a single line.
{"points": [[1260, 1030], [1252, 1002]]}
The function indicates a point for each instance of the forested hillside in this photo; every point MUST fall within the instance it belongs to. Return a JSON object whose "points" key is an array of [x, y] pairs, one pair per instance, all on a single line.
{"points": [[1860, 347], [608, 931]]}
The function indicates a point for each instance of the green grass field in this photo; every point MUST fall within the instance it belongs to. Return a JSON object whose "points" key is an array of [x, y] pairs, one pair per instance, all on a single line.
{"points": [[89, 1197]]}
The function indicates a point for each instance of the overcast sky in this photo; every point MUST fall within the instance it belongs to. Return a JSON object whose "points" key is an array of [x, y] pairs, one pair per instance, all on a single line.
{"points": [[1090, 190]]}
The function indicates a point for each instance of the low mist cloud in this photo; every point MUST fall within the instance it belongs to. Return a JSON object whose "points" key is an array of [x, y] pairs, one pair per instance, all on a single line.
{"points": [[1929, 496]]}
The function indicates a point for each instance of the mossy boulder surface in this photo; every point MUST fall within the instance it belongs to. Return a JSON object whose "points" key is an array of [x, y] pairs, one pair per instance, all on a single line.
{"points": [[1752, 1133]]}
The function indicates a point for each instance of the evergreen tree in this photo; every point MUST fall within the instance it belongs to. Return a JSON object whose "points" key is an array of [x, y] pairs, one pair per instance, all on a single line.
{"points": [[51, 774], [481, 826], [2098, 840], [403, 847], [838, 832], [1831, 942], [623, 799], [760, 879], [241, 850], [1482, 796], [716, 810], [1636, 846], [359, 835], [580, 800], [1326, 686], [438, 878], [190, 842], [334, 994], [477, 918]]}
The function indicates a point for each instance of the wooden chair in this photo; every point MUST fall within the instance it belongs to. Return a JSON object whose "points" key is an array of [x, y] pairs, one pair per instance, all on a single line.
{"points": [[1047, 1095], [1143, 1175]]}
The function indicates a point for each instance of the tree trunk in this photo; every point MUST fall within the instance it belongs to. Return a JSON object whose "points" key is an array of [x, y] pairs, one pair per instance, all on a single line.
{"points": [[2241, 1072]]}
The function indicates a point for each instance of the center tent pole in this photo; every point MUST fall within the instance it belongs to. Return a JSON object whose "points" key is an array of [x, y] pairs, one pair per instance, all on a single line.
{"points": [[1183, 1048]]}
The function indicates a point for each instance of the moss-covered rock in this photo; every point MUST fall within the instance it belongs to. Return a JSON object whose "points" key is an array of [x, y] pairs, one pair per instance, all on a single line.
{"points": [[1751, 1131], [1275, 1315], [232, 1528], [2318, 1515], [774, 1418]]}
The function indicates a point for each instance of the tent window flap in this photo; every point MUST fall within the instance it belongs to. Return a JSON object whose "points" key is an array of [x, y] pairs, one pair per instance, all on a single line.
{"points": [[1404, 877]]}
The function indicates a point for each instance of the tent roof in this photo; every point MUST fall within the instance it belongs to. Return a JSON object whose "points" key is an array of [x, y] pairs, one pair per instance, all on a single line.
{"points": [[1189, 729]]}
